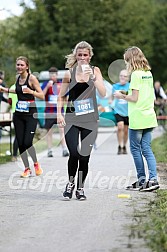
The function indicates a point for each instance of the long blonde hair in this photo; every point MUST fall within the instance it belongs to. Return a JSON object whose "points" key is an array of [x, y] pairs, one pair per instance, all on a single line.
{"points": [[71, 58], [135, 59]]}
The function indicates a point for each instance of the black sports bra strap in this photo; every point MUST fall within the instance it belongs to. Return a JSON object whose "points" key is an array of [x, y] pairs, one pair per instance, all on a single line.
{"points": [[28, 75]]}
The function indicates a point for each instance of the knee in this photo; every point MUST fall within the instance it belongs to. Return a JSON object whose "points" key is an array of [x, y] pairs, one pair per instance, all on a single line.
{"points": [[146, 150], [120, 127], [135, 148], [74, 154], [84, 159], [28, 144], [21, 148]]}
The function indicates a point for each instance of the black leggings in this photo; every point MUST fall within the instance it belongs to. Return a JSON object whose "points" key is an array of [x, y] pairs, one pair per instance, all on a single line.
{"points": [[25, 127], [81, 155], [15, 147]]}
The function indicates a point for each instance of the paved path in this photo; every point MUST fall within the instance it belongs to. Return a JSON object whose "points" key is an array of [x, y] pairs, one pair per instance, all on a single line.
{"points": [[34, 217]]}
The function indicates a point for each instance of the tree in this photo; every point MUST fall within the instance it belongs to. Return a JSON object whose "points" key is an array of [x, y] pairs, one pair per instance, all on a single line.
{"points": [[159, 62], [52, 28], [9, 47]]}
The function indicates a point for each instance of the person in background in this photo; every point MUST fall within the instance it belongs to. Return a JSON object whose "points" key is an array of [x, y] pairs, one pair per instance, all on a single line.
{"points": [[160, 98], [25, 123], [13, 98], [121, 111], [51, 90], [2, 98], [142, 118], [81, 118], [159, 91]]}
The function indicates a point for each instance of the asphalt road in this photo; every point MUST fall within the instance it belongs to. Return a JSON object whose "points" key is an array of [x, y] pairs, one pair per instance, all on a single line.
{"points": [[34, 217]]}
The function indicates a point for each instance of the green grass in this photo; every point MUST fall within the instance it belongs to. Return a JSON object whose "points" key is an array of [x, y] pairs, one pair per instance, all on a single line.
{"points": [[159, 147], [40, 145], [152, 224], [155, 228], [3, 157]]}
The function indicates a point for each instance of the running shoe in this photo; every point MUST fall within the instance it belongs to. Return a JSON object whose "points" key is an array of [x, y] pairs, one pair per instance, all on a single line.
{"points": [[27, 173], [65, 153], [134, 187], [50, 154], [119, 150], [149, 186], [69, 191], [80, 194], [38, 169], [124, 151]]}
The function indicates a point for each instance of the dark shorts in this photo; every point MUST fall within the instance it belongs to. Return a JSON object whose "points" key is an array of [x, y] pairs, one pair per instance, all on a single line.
{"points": [[49, 123], [120, 118]]}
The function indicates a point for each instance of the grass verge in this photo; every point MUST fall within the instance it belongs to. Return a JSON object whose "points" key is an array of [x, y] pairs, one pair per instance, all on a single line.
{"points": [[159, 147], [40, 145], [4, 159], [154, 228], [3, 156]]}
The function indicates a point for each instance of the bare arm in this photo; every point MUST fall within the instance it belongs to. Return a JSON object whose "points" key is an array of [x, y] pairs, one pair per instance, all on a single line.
{"points": [[6, 90], [62, 99], [49, 84], [98, 82], [131, 98]]}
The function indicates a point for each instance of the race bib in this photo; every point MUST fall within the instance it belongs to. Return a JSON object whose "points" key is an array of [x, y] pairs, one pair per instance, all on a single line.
{"points": [[22, 106], [52, 99], [84, 106]]}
